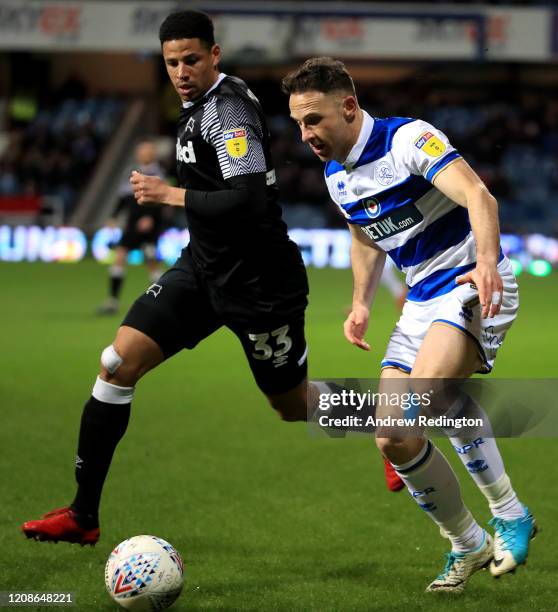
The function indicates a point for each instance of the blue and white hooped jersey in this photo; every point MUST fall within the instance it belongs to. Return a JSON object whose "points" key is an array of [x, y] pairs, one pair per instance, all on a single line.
{"points": [[385, 187]]}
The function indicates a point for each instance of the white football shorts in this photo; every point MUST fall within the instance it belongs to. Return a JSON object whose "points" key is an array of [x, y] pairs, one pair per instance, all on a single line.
{"points": [[459, 308]]}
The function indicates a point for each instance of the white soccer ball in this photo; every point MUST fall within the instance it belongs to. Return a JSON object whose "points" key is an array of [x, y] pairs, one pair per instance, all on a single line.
{"points": [[144, 574]]}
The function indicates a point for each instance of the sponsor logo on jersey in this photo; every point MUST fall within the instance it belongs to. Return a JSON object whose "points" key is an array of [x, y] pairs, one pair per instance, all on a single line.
{"points": [[430, 144], [399, 220], [236, 142], [185, 153], [372, 207], [384, 173], [341, 188]]}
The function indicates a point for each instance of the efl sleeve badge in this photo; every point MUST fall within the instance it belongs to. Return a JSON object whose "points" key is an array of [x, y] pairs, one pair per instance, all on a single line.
{"points": [[430, 144], [236, 142]]}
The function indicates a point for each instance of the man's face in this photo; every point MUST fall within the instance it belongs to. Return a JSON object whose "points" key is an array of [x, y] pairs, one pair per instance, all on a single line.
{"points": [[191, 66], [324, 121]]}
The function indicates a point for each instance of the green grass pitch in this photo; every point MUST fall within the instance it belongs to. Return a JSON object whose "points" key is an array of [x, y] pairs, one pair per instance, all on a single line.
{"points": [[265, 516]]}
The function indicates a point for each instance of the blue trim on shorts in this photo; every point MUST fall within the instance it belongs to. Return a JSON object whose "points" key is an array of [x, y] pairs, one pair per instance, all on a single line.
{"points": [[388, 362], [468, 333]]}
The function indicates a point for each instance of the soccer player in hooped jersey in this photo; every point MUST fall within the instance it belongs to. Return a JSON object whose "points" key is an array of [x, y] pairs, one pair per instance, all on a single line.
{"points": [[405, 191], [239, 270]]}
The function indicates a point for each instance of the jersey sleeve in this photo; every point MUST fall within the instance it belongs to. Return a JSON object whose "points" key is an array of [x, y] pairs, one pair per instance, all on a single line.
{"points": [[231, 125], [423, 149]]}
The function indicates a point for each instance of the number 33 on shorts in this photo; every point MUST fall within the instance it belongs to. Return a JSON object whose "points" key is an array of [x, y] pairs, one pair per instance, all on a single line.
{"points": [[275, 344]]}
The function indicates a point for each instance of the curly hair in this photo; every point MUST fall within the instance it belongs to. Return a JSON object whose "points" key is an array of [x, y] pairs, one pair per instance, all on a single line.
{"points": [[188, 24]]}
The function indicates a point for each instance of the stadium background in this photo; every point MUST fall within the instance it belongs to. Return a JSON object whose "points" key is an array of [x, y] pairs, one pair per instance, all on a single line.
{"points": [[265, 516]]}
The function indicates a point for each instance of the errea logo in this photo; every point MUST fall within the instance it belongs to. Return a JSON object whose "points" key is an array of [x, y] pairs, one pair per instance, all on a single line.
{"points": [[185, 153]]}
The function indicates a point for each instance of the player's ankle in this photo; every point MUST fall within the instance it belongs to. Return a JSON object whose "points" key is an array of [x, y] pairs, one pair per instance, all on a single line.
{"points": [[84, 519]]}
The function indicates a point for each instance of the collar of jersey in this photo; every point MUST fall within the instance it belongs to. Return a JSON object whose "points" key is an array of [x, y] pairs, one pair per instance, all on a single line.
{"points": [[221, 76], [356, 151]]}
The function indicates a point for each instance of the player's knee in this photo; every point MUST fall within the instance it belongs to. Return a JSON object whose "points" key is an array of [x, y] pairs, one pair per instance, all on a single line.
{"points": [[399, 450], [290, 411], [292, 416], [389, 446], [117, 370]]}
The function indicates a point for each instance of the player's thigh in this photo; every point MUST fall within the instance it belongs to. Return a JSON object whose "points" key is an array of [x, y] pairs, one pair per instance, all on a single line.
{"points": [[277, 355], [175, 312], [446, 352], [446, 357]]}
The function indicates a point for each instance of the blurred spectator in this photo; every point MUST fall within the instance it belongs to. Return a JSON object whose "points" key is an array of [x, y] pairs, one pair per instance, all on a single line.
{"points": [[512, 141], [56, 152], [509, 135]]}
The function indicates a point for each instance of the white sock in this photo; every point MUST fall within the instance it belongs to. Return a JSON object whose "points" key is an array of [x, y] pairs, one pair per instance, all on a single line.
{"points": [[112, 394], [502, 499], [483, 461], [434, 486]]}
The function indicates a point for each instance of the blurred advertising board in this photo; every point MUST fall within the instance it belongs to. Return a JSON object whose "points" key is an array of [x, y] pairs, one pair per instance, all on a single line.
{"points": [[282, 32], [320, 248], [129, 26]]}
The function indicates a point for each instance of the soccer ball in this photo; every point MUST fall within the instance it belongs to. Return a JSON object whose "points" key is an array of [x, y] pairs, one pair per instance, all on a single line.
{"points": [[144, 574]]}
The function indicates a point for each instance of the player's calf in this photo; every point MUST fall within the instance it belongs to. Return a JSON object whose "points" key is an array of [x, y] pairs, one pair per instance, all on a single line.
{"points": [[292, 405]]}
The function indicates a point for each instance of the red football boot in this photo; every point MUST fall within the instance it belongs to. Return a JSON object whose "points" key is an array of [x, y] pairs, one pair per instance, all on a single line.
{"points": [[60, 525], [394, 483]]}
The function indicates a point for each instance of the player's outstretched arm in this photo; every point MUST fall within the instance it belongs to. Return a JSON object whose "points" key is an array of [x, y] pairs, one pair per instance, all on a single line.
{"points": [[367, 262], [149, 190], [461, 184]]}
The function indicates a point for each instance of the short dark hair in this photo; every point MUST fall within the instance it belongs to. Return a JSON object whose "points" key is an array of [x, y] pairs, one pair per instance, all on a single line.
{"points": [[323, 74], [188, 24]]}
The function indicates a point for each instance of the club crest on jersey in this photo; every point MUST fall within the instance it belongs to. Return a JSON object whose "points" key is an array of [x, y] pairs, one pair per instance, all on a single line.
{"points": [[190, 125], [384, 174], [236, 142], [430, 144], [371, 207]]}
